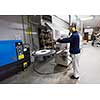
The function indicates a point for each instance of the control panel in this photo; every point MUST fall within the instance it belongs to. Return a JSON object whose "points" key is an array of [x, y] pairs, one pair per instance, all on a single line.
{"points": [[19, 50]]}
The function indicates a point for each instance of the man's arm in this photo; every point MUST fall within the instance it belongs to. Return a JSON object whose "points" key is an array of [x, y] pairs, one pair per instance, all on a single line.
{"points": [[65, 40]]}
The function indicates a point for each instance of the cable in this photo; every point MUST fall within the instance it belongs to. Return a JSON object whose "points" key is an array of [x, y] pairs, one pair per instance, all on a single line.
{"points": [[22, 18]]}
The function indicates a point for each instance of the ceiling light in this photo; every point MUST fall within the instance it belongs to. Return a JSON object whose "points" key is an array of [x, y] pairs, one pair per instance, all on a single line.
{"points": [[88, 26], [87, 18]]}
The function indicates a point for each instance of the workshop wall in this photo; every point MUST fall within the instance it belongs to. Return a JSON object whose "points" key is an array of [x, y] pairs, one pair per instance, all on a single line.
{"points": [[10, 28]]}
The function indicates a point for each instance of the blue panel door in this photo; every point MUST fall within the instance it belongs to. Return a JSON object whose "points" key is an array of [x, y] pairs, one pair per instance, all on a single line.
{"points": [[7, 52]]}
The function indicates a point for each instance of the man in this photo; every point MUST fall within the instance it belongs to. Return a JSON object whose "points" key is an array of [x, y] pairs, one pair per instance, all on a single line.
{"points": [[93, 38], [74, 41]]}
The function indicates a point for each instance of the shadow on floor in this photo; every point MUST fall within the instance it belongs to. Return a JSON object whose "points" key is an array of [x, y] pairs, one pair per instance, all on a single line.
{"points": [[59, 68]]}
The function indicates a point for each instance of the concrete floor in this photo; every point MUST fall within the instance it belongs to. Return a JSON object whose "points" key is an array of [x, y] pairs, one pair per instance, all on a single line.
{"points": [[89, 71], [90, 65]]}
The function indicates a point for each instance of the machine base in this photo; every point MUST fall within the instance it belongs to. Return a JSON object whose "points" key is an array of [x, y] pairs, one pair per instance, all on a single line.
{"points": [[12, 69]]}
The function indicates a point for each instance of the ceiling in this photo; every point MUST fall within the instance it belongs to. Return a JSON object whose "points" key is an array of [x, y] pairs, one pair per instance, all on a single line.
{"points": [[92, 23]]}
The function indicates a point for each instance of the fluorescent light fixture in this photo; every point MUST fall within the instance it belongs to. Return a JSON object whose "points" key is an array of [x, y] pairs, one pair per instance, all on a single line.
{"points": [[88, 26], [87, 18]]}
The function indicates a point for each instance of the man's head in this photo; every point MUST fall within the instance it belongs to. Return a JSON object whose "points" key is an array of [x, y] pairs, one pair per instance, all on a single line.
{"points": [[73, 27]]}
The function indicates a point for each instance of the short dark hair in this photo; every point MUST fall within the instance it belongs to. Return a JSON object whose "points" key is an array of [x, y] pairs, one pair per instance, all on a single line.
{"points": [[73, 25]]}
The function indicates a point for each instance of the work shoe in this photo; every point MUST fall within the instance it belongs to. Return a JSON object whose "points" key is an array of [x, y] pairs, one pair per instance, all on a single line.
{"points": [[73, 77]]}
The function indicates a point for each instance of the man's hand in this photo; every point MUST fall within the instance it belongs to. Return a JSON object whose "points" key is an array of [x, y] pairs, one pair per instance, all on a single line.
{"points": [[58, 40]]}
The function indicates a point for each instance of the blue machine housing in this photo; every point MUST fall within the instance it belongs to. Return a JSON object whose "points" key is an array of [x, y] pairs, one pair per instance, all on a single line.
{"points": [[8, 52], [9, 62], [13, 58]]}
